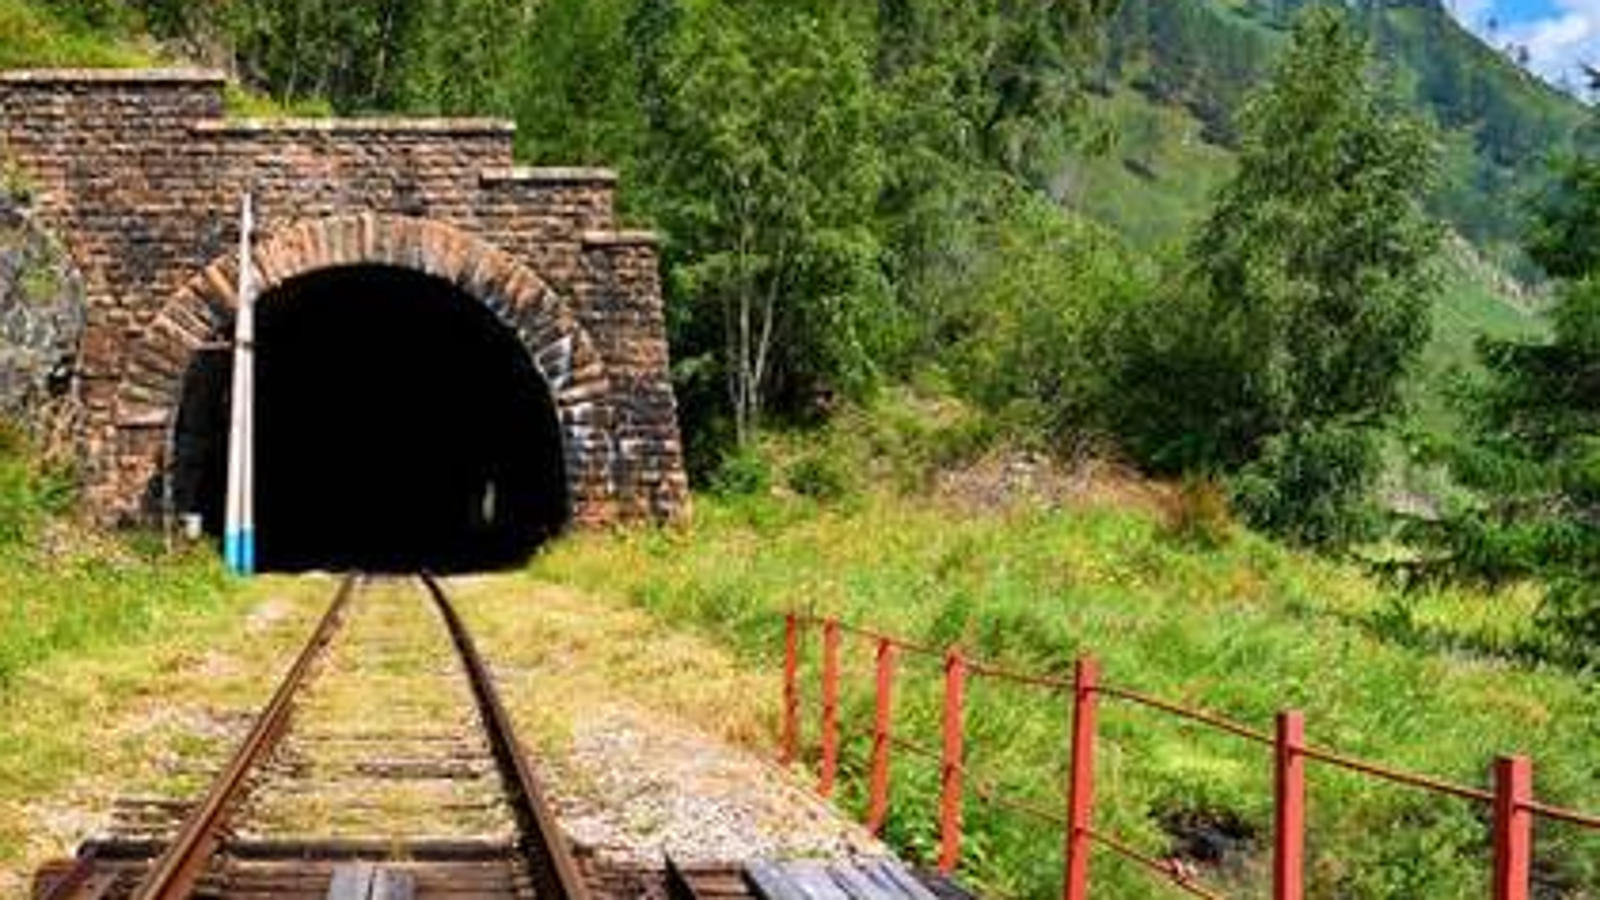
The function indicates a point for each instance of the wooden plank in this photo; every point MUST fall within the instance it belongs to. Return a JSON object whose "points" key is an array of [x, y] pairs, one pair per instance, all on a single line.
{"points": [[769, 882], [894, 873], [870, 870], [679, 887], [814, 881], [858, 886], [350, 881], [392, 883]]}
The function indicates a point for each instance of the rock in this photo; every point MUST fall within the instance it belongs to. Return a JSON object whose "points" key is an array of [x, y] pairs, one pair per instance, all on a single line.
{"points": [[42, 314]]}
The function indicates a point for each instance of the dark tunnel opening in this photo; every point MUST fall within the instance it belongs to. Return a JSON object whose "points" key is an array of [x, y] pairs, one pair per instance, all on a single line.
{"points": [[399, 426]]}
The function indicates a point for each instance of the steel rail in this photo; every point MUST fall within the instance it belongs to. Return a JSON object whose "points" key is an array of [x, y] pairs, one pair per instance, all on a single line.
{"points": [[554, 871], [180, 867]]}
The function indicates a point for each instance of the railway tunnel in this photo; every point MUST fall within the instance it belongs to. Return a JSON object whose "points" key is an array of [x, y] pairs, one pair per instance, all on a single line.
{"points": [[400, 425]]}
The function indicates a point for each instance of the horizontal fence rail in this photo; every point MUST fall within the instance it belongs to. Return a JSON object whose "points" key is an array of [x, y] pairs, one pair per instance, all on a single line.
{"points": [[1510, 801]]}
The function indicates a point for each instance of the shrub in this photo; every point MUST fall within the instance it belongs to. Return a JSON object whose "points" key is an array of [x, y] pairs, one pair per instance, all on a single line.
{"points": [[744, 472], [1310, 485], [1569, 622], [820, 476], [1039, 315]]}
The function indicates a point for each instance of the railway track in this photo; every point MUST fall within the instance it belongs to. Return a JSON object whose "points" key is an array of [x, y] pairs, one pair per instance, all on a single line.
{"points": [[385, 766], [327, 798]]}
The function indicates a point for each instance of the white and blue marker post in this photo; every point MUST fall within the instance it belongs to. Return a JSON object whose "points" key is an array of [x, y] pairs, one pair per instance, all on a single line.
{"points": [[239, 532]]}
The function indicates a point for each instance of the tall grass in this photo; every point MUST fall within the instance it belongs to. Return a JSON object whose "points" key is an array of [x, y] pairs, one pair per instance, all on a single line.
{"points": [[64, 588], [1245, 628]]}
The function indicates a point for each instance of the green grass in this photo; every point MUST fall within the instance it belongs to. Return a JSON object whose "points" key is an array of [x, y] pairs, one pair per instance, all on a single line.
{"points": [[1470, 308], [65, 589], [58, 604], [33, 35], [1159, 178], [81, 614], [1423, 682]]}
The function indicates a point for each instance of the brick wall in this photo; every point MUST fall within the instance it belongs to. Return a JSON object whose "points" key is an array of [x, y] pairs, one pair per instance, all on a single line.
{"points": [[141, 175]]}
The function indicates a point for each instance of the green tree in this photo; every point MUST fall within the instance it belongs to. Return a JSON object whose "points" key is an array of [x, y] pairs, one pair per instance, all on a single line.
{"points": [[460, 57], [770, 151], [1310, 297], [979, 100], [1564, 234], [576, 82], [1533, 452], [1039, 306]]}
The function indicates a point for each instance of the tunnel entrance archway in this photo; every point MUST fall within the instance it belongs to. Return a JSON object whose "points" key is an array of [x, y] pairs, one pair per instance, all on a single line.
{"points": [[400, 425]]}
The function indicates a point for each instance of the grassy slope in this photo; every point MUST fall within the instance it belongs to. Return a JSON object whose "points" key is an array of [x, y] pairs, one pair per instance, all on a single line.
{"points": [[1246, 629], [32, 35], [1471, 308], [1159, 180], [80, 614]]}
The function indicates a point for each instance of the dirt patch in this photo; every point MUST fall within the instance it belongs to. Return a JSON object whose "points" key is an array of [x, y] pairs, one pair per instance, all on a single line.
{"points": [[266, 614], [1008, 478]]}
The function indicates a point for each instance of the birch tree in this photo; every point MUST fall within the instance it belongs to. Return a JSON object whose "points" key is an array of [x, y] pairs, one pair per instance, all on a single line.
{"points": [[775, 170]]}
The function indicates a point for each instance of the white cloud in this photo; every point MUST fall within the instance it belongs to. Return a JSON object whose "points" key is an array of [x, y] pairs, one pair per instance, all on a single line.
{"points": [[1556, 44]]}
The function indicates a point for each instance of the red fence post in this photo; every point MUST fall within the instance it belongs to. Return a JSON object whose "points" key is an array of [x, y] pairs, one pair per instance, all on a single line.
{"points": [[1288, 861], [955, 683], [830, 706], [791, 689], [878, 807], [1513, 827], [1080, 790]]}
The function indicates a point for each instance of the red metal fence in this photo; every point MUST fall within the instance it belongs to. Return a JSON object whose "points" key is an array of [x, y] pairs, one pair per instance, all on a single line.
{"points": [[1511, 800]]}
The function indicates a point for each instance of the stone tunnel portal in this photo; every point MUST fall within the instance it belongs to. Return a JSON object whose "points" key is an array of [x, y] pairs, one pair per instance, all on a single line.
{"points": [[399, 425]]}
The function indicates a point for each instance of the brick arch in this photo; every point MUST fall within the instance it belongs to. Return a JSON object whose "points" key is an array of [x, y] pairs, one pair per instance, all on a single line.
{"points": [[561, 349]]}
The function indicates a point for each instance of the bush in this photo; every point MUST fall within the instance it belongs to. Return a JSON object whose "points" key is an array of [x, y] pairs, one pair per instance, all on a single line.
{"points": [[820, 476], [743, 473], [30, 488], [1569, 622], [1309, 485], [1038, 315]]}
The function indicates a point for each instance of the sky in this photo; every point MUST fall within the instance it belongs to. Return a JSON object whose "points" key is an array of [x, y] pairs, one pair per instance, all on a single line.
{"points": [[1559, 34]]}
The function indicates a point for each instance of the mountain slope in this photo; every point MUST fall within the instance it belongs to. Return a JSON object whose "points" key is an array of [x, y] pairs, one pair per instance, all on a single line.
{"points": [[1497, 123], [1177, 75]]}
